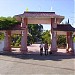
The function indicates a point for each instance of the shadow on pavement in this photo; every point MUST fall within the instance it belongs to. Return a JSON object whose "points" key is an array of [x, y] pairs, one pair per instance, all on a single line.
{"points": [[54, 57]]}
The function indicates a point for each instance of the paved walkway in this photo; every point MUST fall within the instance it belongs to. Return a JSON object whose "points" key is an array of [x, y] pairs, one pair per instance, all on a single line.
{"points": [[34, 49], [29, 64], [36, 64]]}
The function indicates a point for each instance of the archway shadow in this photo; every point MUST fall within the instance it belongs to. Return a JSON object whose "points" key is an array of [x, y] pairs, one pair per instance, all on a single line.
{"points": [[36, 56]]}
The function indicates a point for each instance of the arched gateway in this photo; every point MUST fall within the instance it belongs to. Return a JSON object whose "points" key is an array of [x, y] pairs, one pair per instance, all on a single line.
{"points": [[37, 18]]}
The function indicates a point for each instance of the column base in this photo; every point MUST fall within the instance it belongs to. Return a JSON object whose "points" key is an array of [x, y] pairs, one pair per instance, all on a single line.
{"points": [[67, 51], [70, 51], [7, 49], [53, 50], [24, 51]]}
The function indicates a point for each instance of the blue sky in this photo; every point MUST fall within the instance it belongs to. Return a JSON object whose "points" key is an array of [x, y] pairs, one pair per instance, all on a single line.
{"points": [[61, 7]]}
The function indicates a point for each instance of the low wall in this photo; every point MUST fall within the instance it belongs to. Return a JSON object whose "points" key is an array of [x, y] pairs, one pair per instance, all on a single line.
{"points": [[74, 47], [1, 45]]}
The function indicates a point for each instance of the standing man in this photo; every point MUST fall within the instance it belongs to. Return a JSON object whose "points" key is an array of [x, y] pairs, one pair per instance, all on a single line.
{"points": [[41, 48], [46, 48]]}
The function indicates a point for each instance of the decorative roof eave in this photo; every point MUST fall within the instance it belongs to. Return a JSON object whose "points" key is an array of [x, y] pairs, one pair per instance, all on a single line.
{"points": [[18, 17], [16, 27], [39, 15], [64, 27], [11, 29]]}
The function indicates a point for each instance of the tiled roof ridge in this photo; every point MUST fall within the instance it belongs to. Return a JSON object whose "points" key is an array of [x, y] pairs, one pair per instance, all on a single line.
{"points": [[38, 12]]}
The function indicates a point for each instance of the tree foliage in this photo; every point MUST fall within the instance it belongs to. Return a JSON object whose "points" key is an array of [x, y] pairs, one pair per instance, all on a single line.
{"points": [[61, 41], [74, 39], [1, 36], [16, 40], [7, 22], [46, 36], [36, 31]]}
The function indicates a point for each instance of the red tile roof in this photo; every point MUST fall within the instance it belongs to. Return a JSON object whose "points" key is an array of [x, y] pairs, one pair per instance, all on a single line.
{"points": [[14, 27], [64, 27], [39, 14], [34, 15]]}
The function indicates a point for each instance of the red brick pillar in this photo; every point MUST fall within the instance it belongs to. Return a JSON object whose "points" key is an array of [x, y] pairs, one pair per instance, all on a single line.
{"points": [[7, 41], [53, 35], [70, 47], [24, 36]]}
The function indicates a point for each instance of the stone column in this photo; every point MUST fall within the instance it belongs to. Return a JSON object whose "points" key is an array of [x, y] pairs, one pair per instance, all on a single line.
{"points": [[7, 41], [24, 36], [70, 47], [67, 41], [53, 35]]}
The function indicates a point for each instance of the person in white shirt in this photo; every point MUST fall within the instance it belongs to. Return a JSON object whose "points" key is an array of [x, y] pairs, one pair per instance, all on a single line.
{"points": [[41, 48], [46, 48]]}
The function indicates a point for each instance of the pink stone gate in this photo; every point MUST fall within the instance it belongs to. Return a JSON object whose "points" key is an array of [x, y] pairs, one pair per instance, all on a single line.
{"points": [[36, 18]]}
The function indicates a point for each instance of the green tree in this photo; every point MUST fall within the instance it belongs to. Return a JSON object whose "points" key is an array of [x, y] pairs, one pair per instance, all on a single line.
{"points": [[46, 36], [61, 41], [36, 31], [16, 40], [1, 36], [74, 39], [7, 22]]}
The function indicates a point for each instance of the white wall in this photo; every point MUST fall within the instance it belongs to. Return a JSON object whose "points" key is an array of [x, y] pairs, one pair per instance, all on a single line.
{"points": [[74, 47], [1, 45]]}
